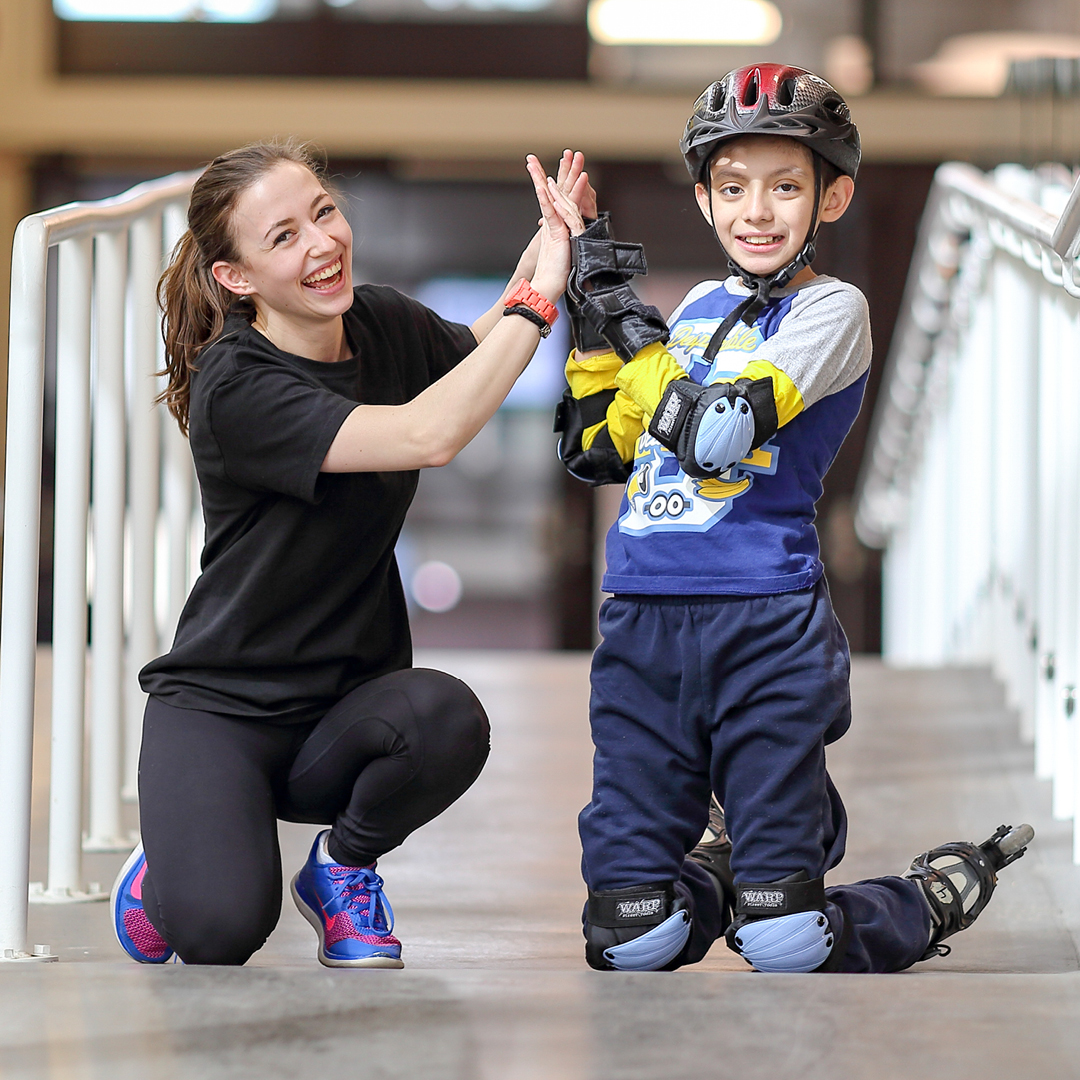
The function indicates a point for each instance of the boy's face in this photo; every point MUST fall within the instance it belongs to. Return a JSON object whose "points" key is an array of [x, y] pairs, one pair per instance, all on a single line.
{"points": [[763, 199]]}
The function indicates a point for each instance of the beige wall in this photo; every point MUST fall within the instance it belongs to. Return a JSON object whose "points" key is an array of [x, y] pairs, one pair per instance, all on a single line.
{"points": [[400, 119]]}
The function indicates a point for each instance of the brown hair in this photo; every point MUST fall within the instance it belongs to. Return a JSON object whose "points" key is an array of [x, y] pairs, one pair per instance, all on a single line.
{"points": [[193, 304]]}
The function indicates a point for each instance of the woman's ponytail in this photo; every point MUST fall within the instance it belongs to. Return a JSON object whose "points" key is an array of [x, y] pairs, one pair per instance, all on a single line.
{"points": [[194, 305]]}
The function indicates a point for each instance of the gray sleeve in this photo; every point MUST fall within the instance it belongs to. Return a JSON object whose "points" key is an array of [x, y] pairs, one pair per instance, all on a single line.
{"points": [[823, 343]]}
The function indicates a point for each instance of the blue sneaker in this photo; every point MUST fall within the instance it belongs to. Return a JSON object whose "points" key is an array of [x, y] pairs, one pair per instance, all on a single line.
{"points": [[132, 928], [347, 908]]}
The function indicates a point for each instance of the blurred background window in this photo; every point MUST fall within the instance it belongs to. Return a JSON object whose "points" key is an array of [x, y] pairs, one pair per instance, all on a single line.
{"points": [[502, 547], [167, 10], [450, 39], [260, 10]]}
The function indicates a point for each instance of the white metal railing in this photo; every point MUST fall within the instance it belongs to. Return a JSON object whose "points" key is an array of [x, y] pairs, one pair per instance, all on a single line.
{"points": [[971, 480], [124, 515]]}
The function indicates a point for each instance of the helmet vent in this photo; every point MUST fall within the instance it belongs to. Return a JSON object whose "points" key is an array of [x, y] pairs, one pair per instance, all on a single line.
{"points": [[785, 93], [716, 97], [837, 109], [750, 92]]}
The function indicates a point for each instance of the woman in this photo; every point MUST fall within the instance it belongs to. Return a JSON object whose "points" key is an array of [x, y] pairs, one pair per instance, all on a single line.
{"points": [[288, 692]]}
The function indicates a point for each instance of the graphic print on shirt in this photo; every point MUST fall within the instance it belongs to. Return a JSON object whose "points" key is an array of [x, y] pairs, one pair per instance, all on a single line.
{"points": [[660, 497]]}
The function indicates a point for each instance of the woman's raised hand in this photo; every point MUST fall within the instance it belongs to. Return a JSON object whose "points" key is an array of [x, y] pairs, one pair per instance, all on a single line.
{"points": [[559, 218], [573, 182]]}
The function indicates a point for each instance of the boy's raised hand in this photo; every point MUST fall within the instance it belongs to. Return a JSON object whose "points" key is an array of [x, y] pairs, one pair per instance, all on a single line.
{"points": [[573, 182], [564, 206]]}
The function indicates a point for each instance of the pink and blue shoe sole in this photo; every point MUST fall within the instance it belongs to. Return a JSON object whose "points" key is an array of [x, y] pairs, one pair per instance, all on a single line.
{"points": [[133, 930]]}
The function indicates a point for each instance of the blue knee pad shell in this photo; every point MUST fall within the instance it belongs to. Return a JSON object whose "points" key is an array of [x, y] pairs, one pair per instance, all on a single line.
{"points": [[655, 949], [800, 942], [644, 928], [782, 926]]}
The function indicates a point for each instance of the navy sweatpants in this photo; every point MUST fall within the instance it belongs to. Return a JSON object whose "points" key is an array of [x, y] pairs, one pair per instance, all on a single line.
{"points": [[739, 695]]}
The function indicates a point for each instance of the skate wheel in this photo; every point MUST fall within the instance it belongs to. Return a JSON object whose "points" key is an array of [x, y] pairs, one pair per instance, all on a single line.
{"points": [[1016, 839]]}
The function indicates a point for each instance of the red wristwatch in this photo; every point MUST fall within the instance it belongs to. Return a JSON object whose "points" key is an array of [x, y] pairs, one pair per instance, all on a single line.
{"points": [[525, 294]]}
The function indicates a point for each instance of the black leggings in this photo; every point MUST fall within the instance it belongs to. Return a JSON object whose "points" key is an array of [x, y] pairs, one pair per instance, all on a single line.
{"points": [[383, 761]]}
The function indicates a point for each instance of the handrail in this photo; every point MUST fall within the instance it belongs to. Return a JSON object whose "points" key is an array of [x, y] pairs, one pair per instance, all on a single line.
{"points": [[78, 224], [960, 196], [72, 219], [1066, 238], [971, 482]]}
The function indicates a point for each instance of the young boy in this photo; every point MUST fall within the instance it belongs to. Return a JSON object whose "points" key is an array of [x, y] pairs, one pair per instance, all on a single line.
{"points": [[723, 668]]}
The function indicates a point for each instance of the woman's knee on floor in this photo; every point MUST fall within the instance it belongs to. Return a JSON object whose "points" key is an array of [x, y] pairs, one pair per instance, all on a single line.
{"points": [[220, 930]]}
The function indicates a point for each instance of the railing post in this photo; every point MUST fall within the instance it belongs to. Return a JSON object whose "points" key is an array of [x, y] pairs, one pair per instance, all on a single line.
{"points": [[18, 613], [69, 570], [107, 485], [144, 465], [1065, 572], [1049, 597]]}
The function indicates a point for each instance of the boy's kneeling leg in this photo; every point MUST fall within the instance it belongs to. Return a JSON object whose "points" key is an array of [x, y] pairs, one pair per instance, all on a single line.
{"points": [[782, 926], [643, 928]]}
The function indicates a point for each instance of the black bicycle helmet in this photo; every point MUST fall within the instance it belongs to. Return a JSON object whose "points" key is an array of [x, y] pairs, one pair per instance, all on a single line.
{"points": [[771, 99]]}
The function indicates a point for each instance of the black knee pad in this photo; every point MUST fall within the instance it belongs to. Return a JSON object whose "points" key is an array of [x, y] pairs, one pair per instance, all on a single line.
{"points": [[652, 915], [781, 926]]}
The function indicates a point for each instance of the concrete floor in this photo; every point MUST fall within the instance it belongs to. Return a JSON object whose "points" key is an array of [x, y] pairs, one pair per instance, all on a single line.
{"points": [[488, 902]]}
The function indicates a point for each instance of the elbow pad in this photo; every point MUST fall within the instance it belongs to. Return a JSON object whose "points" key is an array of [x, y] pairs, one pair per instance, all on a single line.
{"points": [[712, 428], [599, 288], [600, 463]]}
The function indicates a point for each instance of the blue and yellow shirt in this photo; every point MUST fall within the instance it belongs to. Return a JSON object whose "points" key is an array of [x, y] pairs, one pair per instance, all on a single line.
{"points": [[750, 531]]}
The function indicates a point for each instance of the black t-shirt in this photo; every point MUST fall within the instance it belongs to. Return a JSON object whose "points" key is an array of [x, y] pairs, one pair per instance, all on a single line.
{"points": [[299, 600]]}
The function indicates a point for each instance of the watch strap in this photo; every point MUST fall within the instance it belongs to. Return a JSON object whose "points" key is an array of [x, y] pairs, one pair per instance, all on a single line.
{"points": [[525, 294]]}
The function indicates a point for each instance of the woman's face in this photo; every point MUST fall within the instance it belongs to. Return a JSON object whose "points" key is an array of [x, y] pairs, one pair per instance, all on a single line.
{"points": [[295, 247]]}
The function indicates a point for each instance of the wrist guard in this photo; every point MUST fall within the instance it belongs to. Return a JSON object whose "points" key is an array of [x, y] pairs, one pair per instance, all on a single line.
{"points": [[582, 332], [598, 288], [711, 428]]}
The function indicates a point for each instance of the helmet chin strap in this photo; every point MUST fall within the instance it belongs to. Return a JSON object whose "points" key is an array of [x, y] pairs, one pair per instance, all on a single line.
{"points": [[761, 286]]}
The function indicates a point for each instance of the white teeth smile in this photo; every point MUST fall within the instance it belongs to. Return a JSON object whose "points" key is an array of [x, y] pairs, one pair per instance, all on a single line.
{"points": [[761, 239], [331, 271]]}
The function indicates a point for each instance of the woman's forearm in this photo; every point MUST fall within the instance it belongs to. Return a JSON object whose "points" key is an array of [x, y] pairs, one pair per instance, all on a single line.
{"points": [[525, 268], [490, 319], [440, 421]]}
